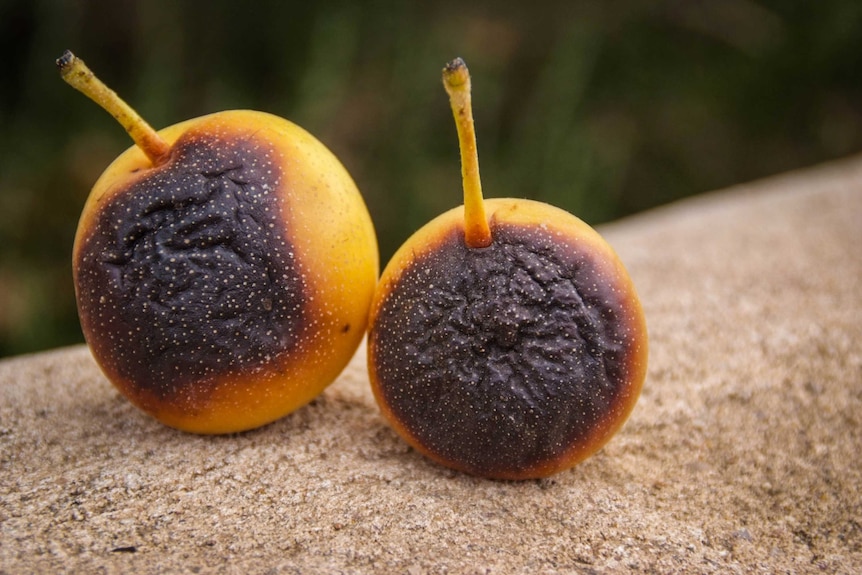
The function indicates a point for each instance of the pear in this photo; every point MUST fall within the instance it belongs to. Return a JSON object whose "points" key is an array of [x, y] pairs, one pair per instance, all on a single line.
{"points": [[223, 266], [506, 338]]}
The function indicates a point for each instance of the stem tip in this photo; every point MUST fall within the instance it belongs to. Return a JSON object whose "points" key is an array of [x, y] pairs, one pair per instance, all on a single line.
{"points": [[65, 60]]}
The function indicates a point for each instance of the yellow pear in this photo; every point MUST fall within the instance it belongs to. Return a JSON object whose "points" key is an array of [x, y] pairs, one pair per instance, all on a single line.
{"points": [[223, 266], [506, 338]]}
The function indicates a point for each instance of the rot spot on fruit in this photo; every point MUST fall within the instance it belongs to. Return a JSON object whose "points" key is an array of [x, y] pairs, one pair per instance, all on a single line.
{"points": [[507, 345], [211, 263]]}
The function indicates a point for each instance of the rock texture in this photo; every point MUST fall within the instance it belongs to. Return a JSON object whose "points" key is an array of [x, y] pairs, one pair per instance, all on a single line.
{"points": [[742, 455]]}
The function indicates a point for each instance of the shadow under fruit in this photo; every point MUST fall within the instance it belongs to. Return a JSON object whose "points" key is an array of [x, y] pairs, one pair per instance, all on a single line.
{"points": [[223, 266], [505, 338]]}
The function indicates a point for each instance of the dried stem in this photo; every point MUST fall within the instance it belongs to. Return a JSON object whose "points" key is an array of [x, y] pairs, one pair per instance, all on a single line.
{"points": [[456, 80], [76, 73]]}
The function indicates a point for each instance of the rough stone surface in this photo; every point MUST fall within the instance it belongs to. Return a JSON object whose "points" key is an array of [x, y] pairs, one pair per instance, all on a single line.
{"points": [[742, 455]]}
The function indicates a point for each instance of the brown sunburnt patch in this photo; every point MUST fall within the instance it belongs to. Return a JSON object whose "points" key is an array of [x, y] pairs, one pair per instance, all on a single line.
{"points": [[188, 276], [497, 361]]}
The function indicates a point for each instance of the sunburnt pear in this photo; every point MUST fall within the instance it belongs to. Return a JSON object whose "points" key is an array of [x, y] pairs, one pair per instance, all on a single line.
{"points": [[506, 339], [223, 266]]}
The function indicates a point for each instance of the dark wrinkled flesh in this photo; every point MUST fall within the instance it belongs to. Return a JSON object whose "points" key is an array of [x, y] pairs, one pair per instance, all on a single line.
{"points": [[501, 358], [188, 274]]}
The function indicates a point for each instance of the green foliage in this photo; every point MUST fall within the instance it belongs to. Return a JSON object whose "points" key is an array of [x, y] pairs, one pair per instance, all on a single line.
{"points": [[604, 109]]}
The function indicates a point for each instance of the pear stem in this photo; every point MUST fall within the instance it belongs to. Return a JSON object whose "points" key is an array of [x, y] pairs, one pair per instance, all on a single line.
{"points": [[456, 80], [76, 73]]}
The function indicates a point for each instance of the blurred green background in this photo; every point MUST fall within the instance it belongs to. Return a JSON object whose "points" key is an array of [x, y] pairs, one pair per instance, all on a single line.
{"points": [[602, 108]]}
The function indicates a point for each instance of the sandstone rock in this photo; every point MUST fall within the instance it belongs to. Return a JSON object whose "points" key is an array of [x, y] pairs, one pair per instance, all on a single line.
{"points": [[741, 456]]}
